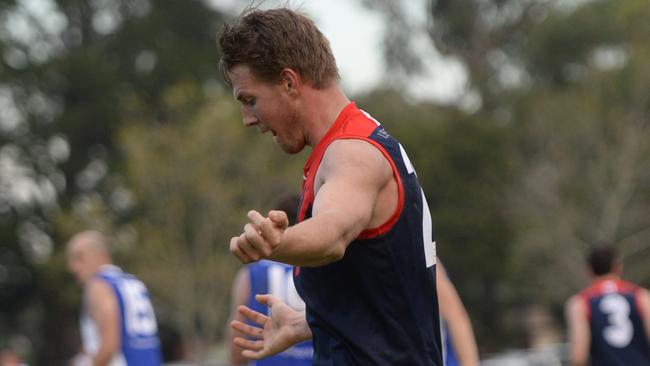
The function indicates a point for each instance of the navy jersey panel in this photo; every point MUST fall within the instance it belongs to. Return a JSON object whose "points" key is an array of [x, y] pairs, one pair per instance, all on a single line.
{"points": [[617, 331], [378, 304], [268, 277]]}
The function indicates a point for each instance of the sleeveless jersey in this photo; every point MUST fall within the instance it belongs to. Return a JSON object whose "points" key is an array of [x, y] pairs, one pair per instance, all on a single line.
{"points": [[617, 332], [139, 344], [268, 277], [377, 305]]}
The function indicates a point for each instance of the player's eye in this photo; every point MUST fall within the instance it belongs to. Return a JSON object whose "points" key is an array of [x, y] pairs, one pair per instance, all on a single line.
{"points": [[249, 101]]}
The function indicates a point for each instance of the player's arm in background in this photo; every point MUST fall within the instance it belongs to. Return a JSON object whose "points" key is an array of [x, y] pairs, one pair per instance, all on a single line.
{"points": [[454, 314], [643, 301], [350, 177], [579, 336], [103, 308], [239, 296]]}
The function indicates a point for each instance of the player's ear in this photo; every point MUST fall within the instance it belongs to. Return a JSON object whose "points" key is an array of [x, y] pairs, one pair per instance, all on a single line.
{"points": [[290, 81]]}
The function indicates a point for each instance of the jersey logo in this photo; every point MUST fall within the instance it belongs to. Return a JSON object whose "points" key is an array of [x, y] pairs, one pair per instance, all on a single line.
{"points": [[382, 133]]}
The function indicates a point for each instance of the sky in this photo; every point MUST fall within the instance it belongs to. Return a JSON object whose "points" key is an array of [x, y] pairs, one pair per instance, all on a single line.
{"points": [[355, 34]]}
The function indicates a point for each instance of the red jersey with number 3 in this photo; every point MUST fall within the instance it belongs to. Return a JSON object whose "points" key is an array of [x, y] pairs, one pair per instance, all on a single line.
{"points": [[378, 304], [617, 333]]}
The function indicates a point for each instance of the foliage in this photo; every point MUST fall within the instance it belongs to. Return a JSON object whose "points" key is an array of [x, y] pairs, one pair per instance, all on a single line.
{"points": [[64, 67], [113, 118], [585, 148]]}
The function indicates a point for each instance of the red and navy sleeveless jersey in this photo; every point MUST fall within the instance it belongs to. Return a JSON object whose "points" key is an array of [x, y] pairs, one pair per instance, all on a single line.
{"points": [[617, 332], [268, 277], [378, 305]]}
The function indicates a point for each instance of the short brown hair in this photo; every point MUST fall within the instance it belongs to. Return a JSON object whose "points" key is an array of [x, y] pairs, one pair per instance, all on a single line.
{"points": [[271, 40]]}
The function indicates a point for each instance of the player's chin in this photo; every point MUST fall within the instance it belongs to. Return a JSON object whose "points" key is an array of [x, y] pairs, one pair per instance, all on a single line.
{"points": [[288, 148]]}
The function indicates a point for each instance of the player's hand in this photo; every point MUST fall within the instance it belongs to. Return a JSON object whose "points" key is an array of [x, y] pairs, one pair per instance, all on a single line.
{"points": [[261, 236], [284, 328]]}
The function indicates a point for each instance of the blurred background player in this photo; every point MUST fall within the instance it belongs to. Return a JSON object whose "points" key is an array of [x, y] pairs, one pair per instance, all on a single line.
{"points": [[459, 343], [266, 277], [118, 324], [9, 357], [609, 321]]}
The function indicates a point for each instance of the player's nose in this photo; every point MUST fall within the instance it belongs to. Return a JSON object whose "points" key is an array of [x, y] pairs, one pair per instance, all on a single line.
{"points": [[248, 118]]}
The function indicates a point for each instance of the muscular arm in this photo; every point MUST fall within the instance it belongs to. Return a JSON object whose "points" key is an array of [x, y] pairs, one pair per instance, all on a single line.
{"points": [[453, 312], [348, 185], [579, 337], [239, 296], [104, 310]]}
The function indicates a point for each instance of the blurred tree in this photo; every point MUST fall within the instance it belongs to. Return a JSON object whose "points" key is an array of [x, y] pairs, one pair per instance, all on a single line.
{"points": [[485, 36], [65, 66]]}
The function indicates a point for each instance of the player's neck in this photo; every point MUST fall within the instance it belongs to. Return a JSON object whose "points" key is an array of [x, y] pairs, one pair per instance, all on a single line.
{"points": [[322, 107], [607, 277]]}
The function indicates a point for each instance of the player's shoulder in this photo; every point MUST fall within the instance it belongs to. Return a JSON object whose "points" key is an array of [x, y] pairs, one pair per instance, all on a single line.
{"points": [[643, 296], [577, 302], [360, 153], [98, 287], [627, 286]]}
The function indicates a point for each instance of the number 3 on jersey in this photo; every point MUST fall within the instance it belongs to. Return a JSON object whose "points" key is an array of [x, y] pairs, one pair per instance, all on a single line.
{"points": [[620, 330]]}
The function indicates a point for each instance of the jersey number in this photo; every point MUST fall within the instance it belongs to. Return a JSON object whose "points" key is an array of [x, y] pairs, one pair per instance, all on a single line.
{"points": [[619, 331], [427, 226], [139, 316]]}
